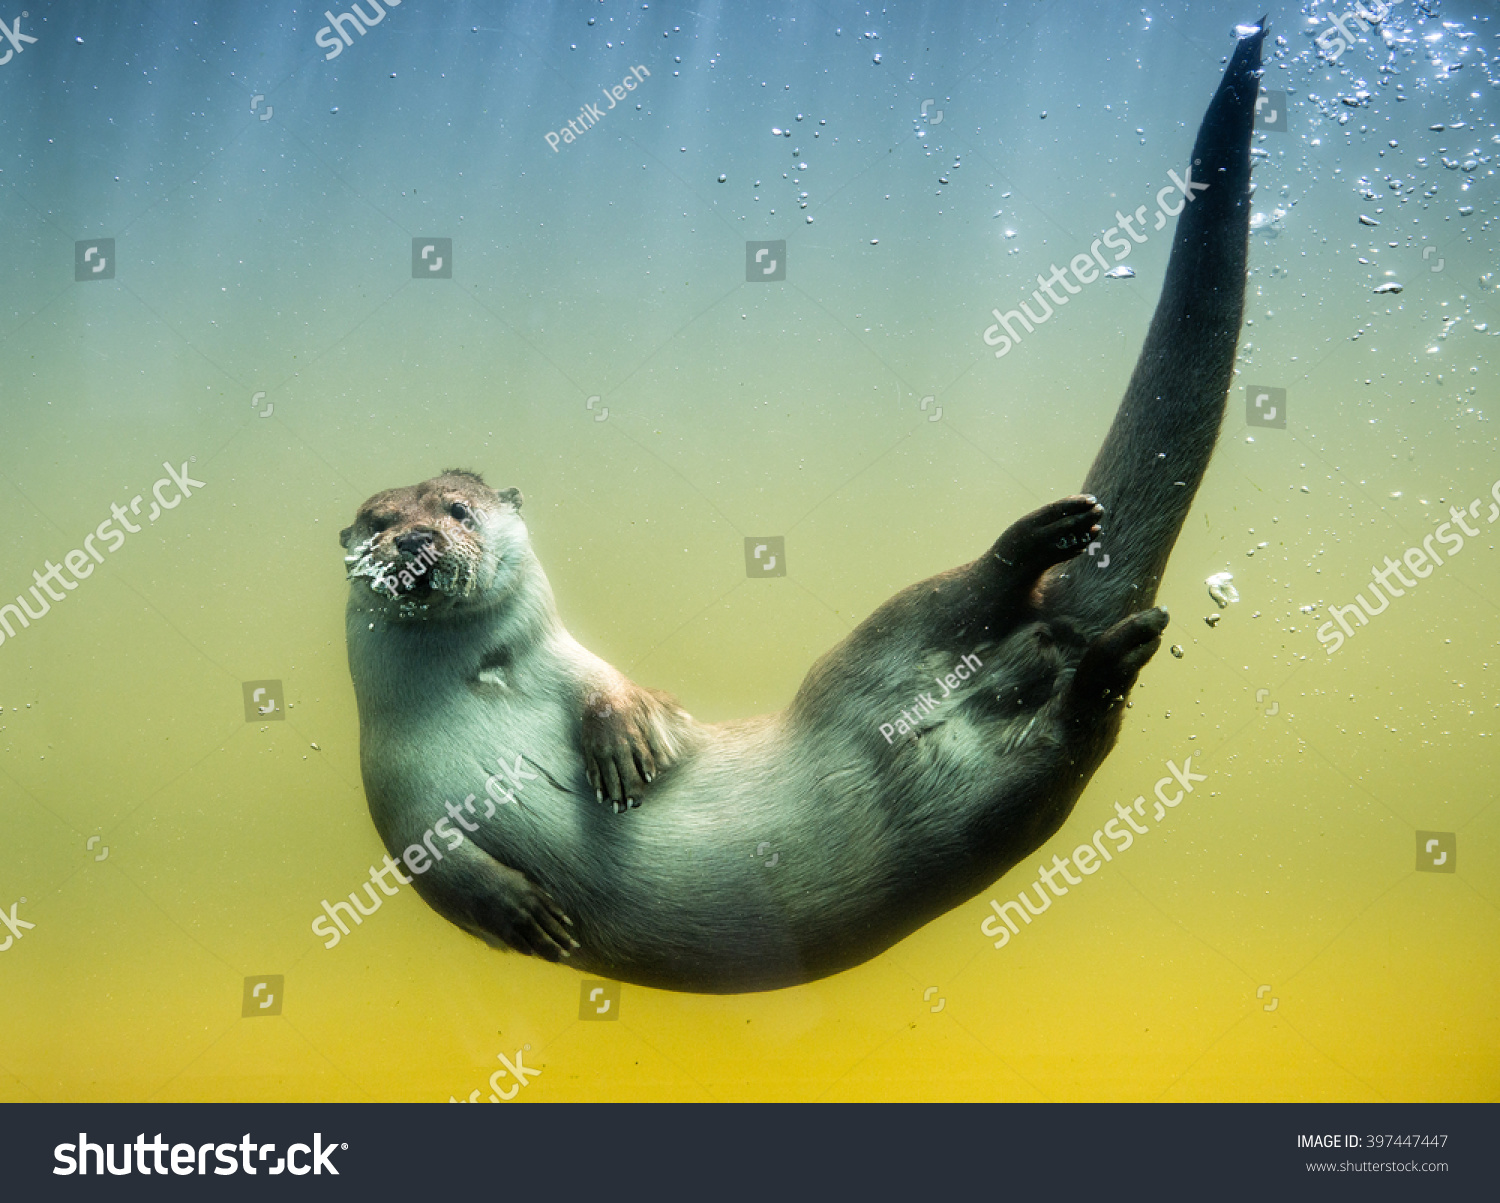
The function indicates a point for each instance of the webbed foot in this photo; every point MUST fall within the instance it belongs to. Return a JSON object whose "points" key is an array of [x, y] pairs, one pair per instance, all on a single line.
{"points": [[1113, 660], [1050, 535]]}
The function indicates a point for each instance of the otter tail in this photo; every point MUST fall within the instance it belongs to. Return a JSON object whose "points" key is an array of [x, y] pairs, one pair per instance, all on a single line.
{"points": [[1159, 446]]}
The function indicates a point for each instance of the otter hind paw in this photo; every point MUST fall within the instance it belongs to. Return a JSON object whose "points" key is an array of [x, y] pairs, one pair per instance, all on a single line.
{"points": [[1113, 661], [1050, 535]]}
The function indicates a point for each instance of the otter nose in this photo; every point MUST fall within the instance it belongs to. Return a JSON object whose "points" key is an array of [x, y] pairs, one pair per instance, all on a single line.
{"points": [[412, 542]]}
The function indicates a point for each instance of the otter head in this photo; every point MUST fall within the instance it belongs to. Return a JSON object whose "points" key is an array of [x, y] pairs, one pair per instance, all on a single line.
{"points": [[448, 545]]}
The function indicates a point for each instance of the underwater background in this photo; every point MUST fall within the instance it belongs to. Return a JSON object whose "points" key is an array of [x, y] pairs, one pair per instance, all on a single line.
{"points": [[220, 285]]}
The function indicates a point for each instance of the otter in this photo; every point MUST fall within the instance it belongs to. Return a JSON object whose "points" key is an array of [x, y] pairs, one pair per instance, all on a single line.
{"points": [[639, 844]]}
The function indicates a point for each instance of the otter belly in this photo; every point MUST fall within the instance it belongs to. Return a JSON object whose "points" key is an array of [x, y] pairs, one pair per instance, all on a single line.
{"points": [[768, 856]]}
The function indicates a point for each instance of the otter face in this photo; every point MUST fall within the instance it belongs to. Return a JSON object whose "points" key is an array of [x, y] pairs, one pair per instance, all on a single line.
{"points": [[447, 544]]}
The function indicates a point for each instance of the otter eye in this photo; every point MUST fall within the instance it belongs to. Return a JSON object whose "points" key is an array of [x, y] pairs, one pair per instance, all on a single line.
{"points": [[460, 511], [378, 524]]}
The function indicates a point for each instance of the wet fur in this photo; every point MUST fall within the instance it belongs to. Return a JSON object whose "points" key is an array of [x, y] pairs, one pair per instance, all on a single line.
{"points": [[870, 839]]}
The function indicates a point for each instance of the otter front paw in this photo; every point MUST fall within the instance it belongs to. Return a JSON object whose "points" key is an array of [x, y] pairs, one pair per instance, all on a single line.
{"points": [[520, 914], [626, 743]]}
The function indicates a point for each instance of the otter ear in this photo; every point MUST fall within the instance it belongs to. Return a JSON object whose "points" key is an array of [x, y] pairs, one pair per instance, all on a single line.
{"points": [[511, 497], [344, 537]]}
